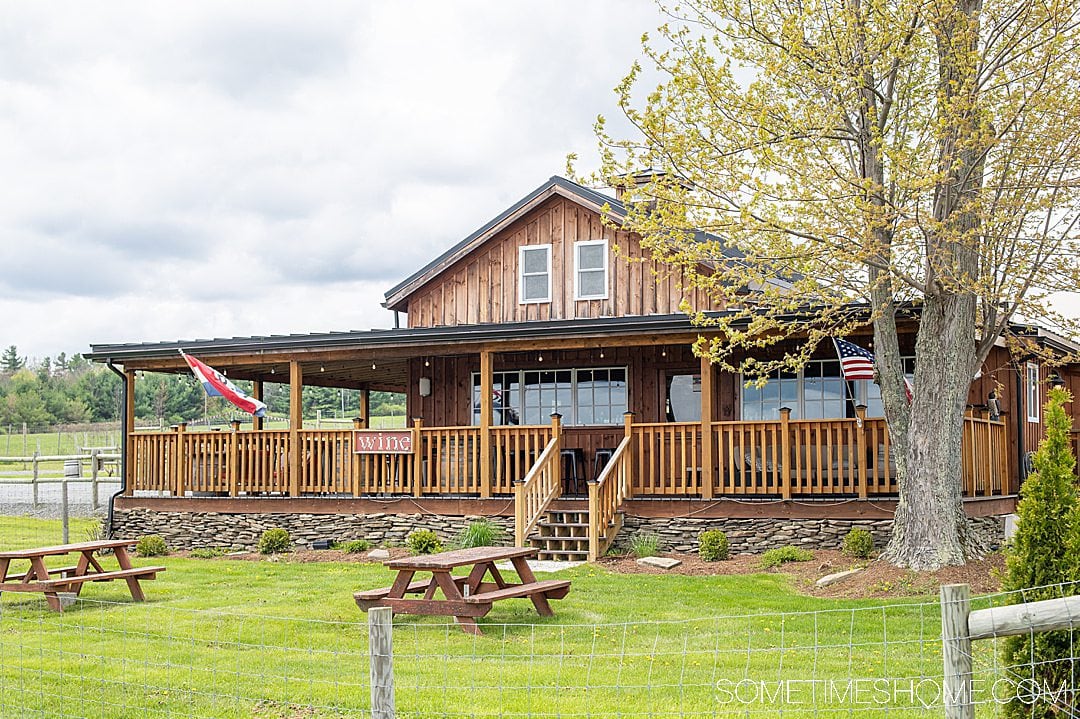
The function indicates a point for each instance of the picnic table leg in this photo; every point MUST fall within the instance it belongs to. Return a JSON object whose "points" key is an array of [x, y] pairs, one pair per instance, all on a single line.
{"points": [[527, 577], [125, 563], [40, 572], [450, 590], [4, 564]]}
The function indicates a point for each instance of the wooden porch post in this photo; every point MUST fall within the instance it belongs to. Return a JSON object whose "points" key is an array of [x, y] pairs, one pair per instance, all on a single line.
{"points": [[234, 457], [257, 393], [418, 457], [365, 409], [181, 460], [296, 421], [785, 452], [129, 422], [628, 427], [860, 445], [487, 382], [706, 428], [556, 469]]}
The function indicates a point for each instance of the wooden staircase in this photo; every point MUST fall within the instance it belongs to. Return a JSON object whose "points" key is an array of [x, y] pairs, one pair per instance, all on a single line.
{"points": [[564, 535]]}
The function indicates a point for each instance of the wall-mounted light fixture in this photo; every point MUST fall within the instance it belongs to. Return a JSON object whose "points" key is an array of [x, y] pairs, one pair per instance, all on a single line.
{"points": [[425, 386]]}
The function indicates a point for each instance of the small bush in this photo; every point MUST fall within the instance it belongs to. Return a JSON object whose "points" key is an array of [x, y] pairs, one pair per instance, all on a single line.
{"points": [[713, 545], [858, 543], [355, 546], [152, 545], [783, 555], [481, 533], [208, 552], [423, 541], [645, 545], [274, 541]]}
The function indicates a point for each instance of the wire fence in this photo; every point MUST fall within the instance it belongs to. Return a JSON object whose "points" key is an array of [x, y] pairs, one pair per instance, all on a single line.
{"points": [[104, 659]]}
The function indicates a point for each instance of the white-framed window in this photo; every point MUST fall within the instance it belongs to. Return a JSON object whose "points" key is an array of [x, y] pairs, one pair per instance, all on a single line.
{"points": [[591, 270], [534, 283], [1031, 389], [817, 391], [592, 396]]}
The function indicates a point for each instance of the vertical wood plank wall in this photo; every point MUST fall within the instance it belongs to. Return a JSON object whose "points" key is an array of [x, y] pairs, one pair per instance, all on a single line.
{"points": [[483, 287]]}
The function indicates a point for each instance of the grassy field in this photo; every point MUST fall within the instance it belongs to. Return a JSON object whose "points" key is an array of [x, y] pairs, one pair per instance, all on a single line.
{"points": [[231, 638]]}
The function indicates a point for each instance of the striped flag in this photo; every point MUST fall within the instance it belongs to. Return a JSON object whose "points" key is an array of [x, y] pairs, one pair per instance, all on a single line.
{"points": [[218, 385], [857, 362]]}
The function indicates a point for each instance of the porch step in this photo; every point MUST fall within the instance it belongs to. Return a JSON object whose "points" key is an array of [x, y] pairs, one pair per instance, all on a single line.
{"points": [[564, 535]]}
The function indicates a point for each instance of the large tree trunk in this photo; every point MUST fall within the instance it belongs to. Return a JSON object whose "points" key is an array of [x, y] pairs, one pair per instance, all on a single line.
{"points": [[930, 529]]}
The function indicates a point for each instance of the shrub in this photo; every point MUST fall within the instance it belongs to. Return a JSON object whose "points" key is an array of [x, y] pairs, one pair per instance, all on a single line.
{"points": [[858, 543], [783, 555], [1045, 551], [645, 545], [354, 546], [152, 545], [481, 533], [713, 545], [208, 552], [274, 541], [423, 541]]}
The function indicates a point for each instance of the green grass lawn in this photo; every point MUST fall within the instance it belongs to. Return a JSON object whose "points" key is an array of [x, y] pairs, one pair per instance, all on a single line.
{"points": [[231, 638]]}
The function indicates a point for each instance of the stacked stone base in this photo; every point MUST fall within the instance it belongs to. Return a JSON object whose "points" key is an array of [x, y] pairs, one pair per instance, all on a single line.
{"points": [[191, 530]]}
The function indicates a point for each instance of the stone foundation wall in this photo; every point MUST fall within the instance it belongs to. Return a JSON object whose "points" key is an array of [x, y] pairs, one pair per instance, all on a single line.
{"points": [[753, 536], [190, 530]]}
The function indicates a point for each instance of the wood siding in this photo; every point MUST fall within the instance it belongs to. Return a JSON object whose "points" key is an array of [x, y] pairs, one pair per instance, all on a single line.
{"points": [[482, 287]]}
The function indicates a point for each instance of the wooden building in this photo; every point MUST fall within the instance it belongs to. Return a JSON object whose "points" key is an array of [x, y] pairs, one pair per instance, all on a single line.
{"points": [[549, 378]]}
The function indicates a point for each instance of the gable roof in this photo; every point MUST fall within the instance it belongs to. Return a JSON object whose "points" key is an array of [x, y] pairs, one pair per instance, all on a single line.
{"points": [[555, 185]]}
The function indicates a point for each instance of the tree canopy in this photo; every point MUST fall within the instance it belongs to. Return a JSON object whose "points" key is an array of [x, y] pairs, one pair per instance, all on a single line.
{"points": [[875, 154]]}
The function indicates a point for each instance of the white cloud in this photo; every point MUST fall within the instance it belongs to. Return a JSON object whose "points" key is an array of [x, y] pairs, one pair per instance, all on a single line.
{"points": [[220, 169]]}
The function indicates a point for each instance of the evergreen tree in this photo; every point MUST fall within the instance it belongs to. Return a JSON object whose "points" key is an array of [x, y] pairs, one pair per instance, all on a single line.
{"points": [[1045, 552], [10, 362]]}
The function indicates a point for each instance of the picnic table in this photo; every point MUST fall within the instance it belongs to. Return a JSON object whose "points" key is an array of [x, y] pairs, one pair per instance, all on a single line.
{"points": [[464, 597], [70, 580]]}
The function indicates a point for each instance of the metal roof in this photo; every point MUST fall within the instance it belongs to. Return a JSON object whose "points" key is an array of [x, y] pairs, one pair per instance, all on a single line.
{"points": [[402, 337]]}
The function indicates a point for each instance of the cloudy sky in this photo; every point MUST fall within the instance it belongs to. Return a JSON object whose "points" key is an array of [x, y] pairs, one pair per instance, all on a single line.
{"points": [[199, 169]]}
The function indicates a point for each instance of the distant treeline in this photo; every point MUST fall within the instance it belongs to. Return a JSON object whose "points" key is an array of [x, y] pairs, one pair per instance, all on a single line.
{"points": [[71, 390]]}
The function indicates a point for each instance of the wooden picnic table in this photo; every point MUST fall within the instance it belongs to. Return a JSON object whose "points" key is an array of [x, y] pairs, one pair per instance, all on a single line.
{"points": [[464, 597], [69, 580]]}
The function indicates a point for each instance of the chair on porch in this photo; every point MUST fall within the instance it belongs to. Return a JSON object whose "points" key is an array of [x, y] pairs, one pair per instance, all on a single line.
{"points": [[573, 459]]}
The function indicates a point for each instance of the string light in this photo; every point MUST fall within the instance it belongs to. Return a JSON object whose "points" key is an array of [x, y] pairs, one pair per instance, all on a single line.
{"points": [[427, 362], [373, 364], [663, 352], [273, 371], [322, 368], [540, 358], [601, 353]]}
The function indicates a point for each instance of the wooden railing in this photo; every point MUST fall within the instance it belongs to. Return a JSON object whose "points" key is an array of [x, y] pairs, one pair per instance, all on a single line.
{"points": [[606, 495], [541, 485], [781, 458], [668, 458], [985, 457], [515, 449]]}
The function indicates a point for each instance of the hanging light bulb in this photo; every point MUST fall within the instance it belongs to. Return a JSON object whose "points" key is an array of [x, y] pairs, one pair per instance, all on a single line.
{"points": [[427, 362], [540, 358], [373, 364], [322, 368], [663, 352], [601, 353]]}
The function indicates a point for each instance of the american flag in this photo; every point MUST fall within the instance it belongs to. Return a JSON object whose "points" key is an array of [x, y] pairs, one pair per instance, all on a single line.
{"points": [[857, 362]]}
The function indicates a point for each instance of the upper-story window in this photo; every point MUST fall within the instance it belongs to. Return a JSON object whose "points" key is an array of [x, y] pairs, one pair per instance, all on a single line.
{"points": [[1032, 391], [535, 264], [590, 270]]}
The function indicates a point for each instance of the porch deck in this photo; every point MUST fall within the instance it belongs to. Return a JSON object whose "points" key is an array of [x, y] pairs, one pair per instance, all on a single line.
{"points": [[767, 459]]}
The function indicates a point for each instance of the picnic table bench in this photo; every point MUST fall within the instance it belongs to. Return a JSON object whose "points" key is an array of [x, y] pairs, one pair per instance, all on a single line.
{"points": [[464, 597], [70, 580]]}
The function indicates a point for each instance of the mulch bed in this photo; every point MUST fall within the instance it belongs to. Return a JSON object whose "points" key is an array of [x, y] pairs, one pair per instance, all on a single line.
{"points": [[877, 580]]}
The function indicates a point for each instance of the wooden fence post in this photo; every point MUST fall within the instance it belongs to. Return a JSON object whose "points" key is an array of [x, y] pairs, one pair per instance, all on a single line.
{"points": [[785, 452], [860, 447], [94, 463], [381, 654], [956, 651], [34, 478], [418, 457], [628, 431], [707, 412], [556, 469]]}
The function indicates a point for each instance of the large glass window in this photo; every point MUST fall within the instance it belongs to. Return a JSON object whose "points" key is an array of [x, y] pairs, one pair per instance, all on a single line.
{"points": [[535, 280], [582, 396], [818, 391], [590, 270]]}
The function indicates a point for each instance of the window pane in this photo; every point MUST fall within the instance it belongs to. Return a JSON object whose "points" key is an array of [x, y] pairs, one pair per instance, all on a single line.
{"points": [[590, 257], [591, 284], [535, 287], [535, 260]]}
